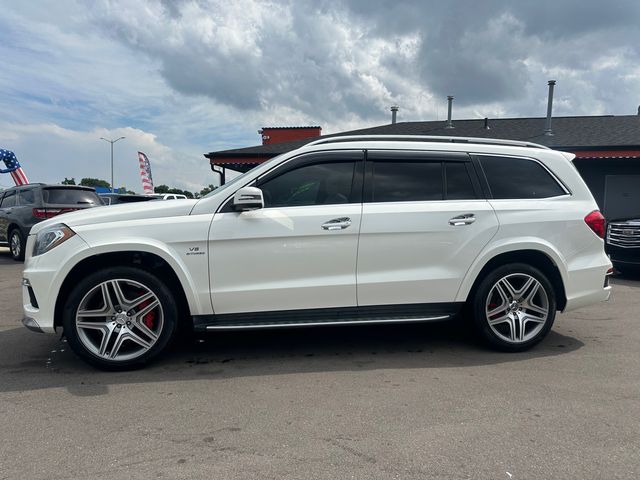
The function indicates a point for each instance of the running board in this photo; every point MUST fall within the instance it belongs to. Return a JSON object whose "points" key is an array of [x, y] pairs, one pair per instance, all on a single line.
{"points": [[369, 315]]}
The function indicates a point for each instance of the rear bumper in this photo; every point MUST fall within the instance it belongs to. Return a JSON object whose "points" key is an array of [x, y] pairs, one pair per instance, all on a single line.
{"points": [[589, 285]]}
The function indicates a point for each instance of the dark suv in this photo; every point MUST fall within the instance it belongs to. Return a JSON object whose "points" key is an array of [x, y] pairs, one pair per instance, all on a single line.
{"points": [[24, 206], [623, 244]]}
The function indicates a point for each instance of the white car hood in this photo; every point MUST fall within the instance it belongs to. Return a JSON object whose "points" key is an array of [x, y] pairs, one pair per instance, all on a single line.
{"points": [[121, 212]]}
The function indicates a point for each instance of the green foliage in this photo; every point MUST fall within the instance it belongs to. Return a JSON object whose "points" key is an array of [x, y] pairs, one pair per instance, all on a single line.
{"points": [[167, 189], [69, 181], [94, 182], [207, 190]]}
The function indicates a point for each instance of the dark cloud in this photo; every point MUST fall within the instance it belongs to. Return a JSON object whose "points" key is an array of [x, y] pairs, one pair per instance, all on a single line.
{"points": [[326, 60]]}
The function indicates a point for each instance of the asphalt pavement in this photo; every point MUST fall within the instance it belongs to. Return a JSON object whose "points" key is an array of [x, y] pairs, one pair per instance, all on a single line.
{"points": [[414, 401]]}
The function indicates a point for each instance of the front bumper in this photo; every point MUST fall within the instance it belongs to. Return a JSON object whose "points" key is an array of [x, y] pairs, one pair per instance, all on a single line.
{"points": [[42, 279], [627, 256], [31, 324]]}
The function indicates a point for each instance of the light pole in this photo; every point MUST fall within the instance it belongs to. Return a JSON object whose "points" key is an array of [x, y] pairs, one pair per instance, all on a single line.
{"points": [[111, 142]]}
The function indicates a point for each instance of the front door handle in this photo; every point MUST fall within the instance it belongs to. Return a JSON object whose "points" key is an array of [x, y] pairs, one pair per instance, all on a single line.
{"points": [[464, 219], [337, 224]]}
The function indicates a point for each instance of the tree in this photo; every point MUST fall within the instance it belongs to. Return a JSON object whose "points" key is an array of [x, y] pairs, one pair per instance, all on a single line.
{"points": [[167, 189], [207, 190], [69, 181], [94, 182]]}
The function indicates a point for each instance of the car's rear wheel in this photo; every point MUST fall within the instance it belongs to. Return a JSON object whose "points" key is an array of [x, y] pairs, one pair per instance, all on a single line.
{"points": [[514, 307], [119, 318], [16, 244]]}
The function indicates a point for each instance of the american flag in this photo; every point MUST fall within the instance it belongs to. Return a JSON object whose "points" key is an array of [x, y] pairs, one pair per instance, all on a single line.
{"points": [[145, 173], [13, 167]]}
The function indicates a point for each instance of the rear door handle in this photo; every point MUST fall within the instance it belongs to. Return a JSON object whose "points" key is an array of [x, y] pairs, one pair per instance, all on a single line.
{"points": [[464, 219], [337, 224]]}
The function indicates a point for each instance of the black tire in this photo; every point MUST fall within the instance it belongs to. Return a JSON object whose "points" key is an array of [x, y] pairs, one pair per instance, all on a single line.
{"points": [[481, 302], [17, 244], [168, 309]]}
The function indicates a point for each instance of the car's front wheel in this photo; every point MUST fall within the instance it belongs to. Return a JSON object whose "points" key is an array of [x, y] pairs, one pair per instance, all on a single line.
{"points": [[514, 307], [119, 318]]}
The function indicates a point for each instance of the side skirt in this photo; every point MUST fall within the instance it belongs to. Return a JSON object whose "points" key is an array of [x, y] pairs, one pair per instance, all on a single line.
{"points": [[375, 314]]}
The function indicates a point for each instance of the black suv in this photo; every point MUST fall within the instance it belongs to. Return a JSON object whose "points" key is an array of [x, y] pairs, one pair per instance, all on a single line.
{"points": [[23, 206], [623, 244]]}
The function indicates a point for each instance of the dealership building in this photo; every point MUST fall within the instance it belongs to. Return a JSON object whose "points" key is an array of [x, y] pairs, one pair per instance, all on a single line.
{"points": [[607, 148]]}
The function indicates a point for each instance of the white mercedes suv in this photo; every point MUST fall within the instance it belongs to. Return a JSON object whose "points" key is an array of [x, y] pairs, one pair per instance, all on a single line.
{"points": [[345, 230]]}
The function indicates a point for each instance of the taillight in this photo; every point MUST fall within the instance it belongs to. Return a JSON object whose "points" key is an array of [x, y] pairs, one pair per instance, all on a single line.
{"points": [[45, 213], [596, 222]]}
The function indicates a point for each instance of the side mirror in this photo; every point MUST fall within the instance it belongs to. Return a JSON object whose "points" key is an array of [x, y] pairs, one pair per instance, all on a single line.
{"points": [[248, 198]]}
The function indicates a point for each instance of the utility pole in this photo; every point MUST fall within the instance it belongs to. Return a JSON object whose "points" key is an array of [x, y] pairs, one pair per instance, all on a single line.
{"points": [[111, 142]]}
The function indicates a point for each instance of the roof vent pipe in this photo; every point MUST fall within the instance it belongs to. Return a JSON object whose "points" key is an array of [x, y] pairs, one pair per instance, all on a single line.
{"points": [[486, 124], [547, 130], [450, 101], [394, 112]]}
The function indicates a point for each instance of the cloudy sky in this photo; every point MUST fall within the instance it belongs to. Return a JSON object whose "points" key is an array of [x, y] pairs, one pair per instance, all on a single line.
{"points": [[181, 78]]}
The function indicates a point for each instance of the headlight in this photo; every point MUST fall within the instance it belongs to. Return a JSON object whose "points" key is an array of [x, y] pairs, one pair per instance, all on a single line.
{"points": [[51, 237]]}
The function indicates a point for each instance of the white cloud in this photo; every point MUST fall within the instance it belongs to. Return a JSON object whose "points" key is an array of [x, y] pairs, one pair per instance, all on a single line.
{"points": [[82, 154], [181, 78]]}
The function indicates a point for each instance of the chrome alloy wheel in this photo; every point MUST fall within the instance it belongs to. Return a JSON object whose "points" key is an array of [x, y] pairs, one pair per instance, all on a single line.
{"points": [[119, 320], [517, 308], [16, 247]]}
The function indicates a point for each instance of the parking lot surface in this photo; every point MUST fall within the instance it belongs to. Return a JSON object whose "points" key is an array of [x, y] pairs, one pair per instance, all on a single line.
{"points": [[419, 401]]}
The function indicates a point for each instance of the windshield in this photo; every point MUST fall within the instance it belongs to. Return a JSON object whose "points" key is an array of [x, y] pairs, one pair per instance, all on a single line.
{"points": [[239, 178], [70, 196]]}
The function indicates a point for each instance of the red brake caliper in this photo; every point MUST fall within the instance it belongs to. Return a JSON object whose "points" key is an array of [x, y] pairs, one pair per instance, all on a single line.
{"points": [[149, 318]]}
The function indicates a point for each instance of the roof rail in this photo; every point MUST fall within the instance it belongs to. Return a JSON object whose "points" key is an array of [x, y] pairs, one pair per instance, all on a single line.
{"points": [[426, 138]]}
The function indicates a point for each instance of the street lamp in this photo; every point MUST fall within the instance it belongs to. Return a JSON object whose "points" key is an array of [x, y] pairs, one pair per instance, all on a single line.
{"points": [[111, 142]]}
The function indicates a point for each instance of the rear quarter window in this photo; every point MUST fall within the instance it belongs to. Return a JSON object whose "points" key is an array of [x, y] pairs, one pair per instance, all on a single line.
{"points": [[68, 196], [27, 197], [518, 178]]}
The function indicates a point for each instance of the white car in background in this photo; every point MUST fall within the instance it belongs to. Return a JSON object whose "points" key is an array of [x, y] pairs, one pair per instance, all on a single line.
{"points": [[343, 231], [168, 196]]}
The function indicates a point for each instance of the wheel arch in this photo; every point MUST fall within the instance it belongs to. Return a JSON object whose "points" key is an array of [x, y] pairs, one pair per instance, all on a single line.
{"points": [[13, 226], [531, 256], [148, 261]]}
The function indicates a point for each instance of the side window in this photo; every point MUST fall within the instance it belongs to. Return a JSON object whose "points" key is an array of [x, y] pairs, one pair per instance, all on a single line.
{"points": [[326, 182], [406, 180], [519, 178], [27, 197], [458, 182], [9, 200]]}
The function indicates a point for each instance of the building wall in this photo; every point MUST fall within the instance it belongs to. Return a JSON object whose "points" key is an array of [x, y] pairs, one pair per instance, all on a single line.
{"points": [[595, 170], [279, 135]]}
